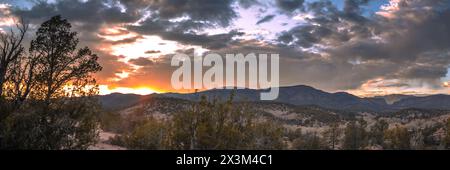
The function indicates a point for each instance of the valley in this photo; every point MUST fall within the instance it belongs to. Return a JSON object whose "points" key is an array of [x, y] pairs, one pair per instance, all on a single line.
{"points": [[306, 112]]}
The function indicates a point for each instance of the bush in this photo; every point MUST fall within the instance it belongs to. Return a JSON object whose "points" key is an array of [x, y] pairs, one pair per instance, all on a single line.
{"points": [[68, 126], [206, 125]]}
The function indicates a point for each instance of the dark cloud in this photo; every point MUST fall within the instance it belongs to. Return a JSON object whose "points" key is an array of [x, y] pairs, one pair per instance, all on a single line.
{"points": [[111, 66], [211, 13], [354, 6], [302, 67], [267, 18], [329, 26], [141, 61], [127, 40], [254, 46], [201, 14], [334, 49], [248, 3], [86, 17], [423, 72], [215, 41], [90, 14], [407, 45], [172, 31], [289, 5], [152, 52]]}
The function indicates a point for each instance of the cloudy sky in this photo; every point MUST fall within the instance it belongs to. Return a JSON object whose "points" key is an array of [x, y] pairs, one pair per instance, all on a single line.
{"points": [[365, 47]]}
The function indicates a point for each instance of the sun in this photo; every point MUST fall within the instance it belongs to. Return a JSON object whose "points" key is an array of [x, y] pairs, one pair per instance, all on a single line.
{"points": [[104, 90]]}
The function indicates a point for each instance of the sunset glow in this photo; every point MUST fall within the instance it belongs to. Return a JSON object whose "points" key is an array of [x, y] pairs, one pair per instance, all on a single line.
{"points": [[6, 19], [142, 45], [104, 89], [288, 75], [366, 48]]}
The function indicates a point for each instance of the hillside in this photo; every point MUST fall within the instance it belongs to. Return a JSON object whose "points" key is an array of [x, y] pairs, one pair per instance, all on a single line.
{"points": [[305, 95]]}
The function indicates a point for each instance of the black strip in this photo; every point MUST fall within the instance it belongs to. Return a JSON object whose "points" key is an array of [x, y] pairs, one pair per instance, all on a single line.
{"points": [[280, 159]]}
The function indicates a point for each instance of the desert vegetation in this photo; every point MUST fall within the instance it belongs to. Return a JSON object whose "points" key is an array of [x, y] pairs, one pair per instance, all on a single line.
{"points": [[204, 125], [47, 91], [216, 124]]}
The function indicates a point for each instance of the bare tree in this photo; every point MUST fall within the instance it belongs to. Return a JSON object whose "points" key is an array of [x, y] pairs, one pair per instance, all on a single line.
{"points": [[10, 49], [21, 77]]}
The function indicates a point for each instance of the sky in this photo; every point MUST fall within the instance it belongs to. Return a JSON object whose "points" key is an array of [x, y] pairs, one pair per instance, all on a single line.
{"points": [[364, 47]]}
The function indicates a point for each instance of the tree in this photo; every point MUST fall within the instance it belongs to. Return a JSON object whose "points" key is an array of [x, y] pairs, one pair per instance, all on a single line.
{"points": [[447, 134], [268, 135], [60, 64], [331, 135], [21, 78], [151, 134], [398, 138], [308, 141], [377, 132], [53, 93], [10, 50], [418, 139], [430, 140], [355, 135], [212, 124]]}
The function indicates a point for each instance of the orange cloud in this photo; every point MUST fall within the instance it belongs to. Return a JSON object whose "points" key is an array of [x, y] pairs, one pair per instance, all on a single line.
{"points": [[381, 86]]}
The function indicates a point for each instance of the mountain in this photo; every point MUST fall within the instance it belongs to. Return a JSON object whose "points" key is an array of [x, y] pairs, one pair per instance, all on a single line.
{"points": [[127, 111], [392, 98], [297, 95], [300, 95], [117, 101], [439, 101]]}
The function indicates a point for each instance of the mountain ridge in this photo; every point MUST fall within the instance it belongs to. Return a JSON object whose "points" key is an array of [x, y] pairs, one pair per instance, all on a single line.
{"points": [[300, 95]]}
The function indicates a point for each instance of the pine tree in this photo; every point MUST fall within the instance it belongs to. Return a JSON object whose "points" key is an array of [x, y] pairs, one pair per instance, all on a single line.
{"points": [[377, 132], [223, 125], [355, 135], [417, 139], [447, 134], [398, 138], [60, 64], [59, 110], [331, 136], [308, 141]]}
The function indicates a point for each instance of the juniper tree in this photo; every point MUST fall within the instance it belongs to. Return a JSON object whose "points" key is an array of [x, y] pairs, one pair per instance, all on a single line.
{"points": [[331, 136], [61, 108], [377, 132]]}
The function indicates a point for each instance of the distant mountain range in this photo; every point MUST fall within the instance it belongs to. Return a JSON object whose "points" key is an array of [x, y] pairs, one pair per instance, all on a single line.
{"points": [[301, 96]]}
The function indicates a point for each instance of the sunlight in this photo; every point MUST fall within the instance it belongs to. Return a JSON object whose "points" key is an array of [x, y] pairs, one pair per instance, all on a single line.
{"points": [[303, 17], [115, 34], [104, 90], [140, 47], [6, 19]]}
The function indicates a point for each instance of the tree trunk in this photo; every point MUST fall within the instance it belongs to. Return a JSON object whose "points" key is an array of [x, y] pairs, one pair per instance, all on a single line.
{"points": [[2, 79]]}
